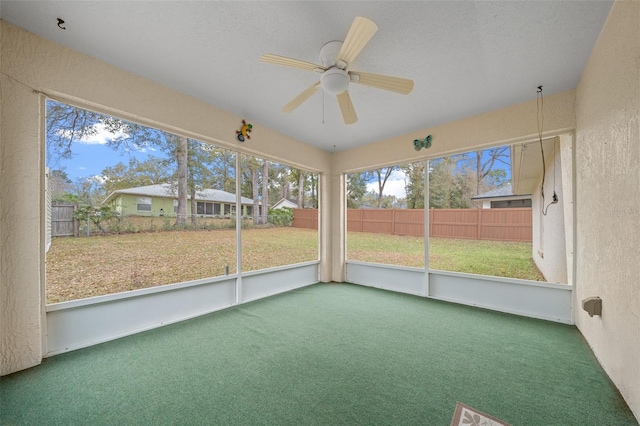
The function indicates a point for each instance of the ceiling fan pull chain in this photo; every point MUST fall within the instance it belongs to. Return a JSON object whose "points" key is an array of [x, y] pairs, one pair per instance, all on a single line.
{"points": [[323, 107]]}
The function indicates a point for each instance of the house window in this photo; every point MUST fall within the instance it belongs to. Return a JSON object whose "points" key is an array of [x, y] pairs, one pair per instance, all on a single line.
{"points": [[249, 210], [175, 206], [216, 209], [205, 209], [227, 209], [144, 204]]}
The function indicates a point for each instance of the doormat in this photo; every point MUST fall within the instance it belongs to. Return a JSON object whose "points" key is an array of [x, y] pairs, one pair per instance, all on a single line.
{"points": [[467, 416]]}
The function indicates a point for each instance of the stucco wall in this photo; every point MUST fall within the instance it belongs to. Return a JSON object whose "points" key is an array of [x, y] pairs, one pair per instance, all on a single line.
{"points": [[21, 248], [608, 198]]}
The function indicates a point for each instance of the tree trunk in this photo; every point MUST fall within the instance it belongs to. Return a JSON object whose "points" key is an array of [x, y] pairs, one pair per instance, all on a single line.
{"points": [[256, 202], [478, 171], [286, 187], [265, 190], [300, 189], [380, 188], [383, 181], [181, 159], [194, 207]]}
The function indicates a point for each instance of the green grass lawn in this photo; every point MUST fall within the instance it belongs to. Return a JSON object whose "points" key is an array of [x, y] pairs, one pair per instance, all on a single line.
{"points": [[91, 266], [499, 258]]}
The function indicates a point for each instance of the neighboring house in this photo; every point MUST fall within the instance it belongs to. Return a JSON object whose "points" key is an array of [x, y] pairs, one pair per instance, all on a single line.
{"points": [[501, 198], [552, 249], [162, 199], [285, 202]]}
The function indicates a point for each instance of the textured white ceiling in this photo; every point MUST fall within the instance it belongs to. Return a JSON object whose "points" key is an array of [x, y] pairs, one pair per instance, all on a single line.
{"points": [[466, 58]]}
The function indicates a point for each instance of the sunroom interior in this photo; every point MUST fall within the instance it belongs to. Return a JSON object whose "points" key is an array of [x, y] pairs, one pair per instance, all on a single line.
{"points": [[591, 124]]}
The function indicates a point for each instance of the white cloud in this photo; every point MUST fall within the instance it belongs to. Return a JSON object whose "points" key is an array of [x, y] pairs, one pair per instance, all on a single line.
{"points": [[99, 178], [100, 136], [394, 185]]}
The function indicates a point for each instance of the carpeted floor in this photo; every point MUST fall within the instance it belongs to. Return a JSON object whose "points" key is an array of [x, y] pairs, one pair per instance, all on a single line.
{"points": [[325, 354]]}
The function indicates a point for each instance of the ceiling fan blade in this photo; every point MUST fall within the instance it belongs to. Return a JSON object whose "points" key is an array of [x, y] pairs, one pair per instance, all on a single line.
{"points": [[357, 38], [346, 107], [295, 102], [289, 62], [395, 84]]}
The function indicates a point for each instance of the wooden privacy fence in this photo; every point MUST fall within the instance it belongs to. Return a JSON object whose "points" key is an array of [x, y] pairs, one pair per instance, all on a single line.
{"points": [[305, 218], [477, 224], [63, 223], [482, 224]]}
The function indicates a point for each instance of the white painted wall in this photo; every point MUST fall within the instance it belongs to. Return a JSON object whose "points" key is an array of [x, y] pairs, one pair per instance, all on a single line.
{"points": [[608, 198], [549, 242]]}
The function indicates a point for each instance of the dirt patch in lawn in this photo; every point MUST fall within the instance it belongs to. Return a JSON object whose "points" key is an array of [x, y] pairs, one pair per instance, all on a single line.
{"points": [[84, 267]]}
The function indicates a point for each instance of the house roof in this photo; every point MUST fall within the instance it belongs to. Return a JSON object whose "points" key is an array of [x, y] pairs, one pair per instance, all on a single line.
{"points": [[465, 57], [285, 202], [502, 192], [166, 190]]}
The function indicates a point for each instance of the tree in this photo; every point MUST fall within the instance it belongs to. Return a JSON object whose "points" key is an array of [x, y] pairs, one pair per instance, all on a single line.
{"points": [[496, 178], [181, 153], [448, 185], [278, 182], [414, 184], [484, 162], [372, 199], [89, 191], [66, 124], [265, 190], [200, 160], [356, 189], [152, 171], [300, 189], [381, 175], [313, 189], [223, 169], [253, 166], [59, 185]]}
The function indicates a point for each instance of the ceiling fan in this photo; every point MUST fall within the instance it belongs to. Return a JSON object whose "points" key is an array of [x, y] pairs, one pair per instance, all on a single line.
{"points": [[336, 57]]}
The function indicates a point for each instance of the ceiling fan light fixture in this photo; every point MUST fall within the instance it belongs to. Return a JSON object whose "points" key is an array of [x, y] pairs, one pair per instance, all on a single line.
{"points": [[334, 81]]}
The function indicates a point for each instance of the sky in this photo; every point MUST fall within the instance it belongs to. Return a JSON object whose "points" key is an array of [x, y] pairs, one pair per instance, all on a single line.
{"points": [[394, 185], [92, 155]]}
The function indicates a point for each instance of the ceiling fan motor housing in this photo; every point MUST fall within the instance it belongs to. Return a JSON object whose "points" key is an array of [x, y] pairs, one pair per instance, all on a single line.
{"points": [[329, 53], [334, 80]]}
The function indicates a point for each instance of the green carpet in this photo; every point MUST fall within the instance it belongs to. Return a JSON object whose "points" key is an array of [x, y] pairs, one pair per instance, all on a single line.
{"points": [[325, 354]]}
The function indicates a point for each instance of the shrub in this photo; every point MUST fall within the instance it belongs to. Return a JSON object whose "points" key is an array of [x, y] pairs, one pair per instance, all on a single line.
{"points": [[281, 217]]}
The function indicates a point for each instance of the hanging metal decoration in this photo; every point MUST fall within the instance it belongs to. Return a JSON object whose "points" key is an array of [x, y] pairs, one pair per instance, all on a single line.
{"points": [[244, 131]]}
